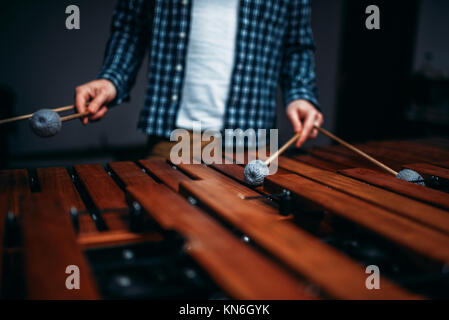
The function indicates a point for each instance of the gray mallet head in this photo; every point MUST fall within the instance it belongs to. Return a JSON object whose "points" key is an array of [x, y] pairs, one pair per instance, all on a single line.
{"points": [[411, 176], [46, 123], [255, 172]]}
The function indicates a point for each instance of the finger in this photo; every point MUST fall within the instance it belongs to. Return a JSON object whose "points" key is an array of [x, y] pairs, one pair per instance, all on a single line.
{"points": [[97, 102], [295, 120], [100, 114], [318, 123], [81, 99], [308, 127]]}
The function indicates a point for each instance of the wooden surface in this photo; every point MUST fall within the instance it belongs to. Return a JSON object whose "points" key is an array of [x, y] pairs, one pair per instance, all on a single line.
{"points": [[442, 164], [429, 170], [411, 190], [108, 239], [394, 157], [14, 184], [340, 156], [165, 173], [58, 182], [236, 172], [202, 172], [221, 255], [430, 216], [282, 259], [414, 149], [319, 163], [327, 268], [105, 194], [398, 229], [49, 247], [129, 173], [236, 268]]}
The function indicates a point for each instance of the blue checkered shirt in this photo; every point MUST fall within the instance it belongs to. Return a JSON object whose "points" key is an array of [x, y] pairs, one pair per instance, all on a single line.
{"points": [[274, 47]]}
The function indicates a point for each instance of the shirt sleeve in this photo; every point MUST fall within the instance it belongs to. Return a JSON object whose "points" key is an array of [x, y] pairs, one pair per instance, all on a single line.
{"points": [[298, 78], [126, 46]]}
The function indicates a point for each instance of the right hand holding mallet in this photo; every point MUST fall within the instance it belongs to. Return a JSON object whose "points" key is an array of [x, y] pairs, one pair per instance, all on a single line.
{"points": [[256, 171]]}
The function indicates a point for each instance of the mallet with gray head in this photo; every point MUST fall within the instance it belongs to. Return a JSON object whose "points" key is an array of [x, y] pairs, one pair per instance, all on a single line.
{"points": [[256, 171], [47, 122]]}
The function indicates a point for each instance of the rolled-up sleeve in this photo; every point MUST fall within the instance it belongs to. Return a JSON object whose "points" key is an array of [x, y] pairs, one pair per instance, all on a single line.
{"points": [[126, 46], [298, 79]]}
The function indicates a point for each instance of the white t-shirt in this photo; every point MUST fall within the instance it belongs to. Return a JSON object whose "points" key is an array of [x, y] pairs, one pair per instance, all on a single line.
{"points": [[209, 63]]}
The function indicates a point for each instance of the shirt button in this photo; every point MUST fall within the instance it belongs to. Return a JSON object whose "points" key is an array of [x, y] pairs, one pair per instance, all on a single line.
{"points": [[179, 68], [174, 97], [182, 35]]}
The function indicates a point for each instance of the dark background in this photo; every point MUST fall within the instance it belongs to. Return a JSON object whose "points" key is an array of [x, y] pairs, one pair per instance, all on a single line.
{"points": [[379, 84]]}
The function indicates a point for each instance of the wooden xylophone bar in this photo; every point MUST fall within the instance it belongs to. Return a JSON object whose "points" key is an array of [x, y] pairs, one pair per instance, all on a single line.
{"points": [[345, 215]]}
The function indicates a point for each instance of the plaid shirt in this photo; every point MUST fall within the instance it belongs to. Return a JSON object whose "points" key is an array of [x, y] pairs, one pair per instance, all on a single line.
{"points": [[274, 46]]}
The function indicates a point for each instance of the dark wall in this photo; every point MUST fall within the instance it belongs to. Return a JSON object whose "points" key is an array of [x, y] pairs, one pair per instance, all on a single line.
{"points": [[433, 35], [375, 70], [42, 62]]}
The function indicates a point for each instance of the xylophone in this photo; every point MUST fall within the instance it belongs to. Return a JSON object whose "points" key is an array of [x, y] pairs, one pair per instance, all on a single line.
{"points": [[149, 229]]}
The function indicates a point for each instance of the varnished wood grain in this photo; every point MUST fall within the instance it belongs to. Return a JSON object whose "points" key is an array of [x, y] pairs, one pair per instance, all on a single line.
{"points": [[202, 172], [430, 170], [49, 247], [403, 231], [393, 157], [341, 156], [443, 164], [105, 194], [165, 172], [386, 181], [14, 184], [336, 274], [436, 141], [114, 238], [387, 157], [427, 215], [129, 173], [412, 148], [238, 269], [236, 172], [319, 163], [58, 182]]}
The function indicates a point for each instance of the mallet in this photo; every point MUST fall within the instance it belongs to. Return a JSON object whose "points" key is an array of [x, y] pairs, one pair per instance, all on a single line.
{"points": [[27, 116], [48, 123], [256, 171]]}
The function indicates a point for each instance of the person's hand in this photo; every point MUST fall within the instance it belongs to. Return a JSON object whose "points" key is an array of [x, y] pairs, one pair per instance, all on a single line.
{"points": [[94, 97], [304, 116]]}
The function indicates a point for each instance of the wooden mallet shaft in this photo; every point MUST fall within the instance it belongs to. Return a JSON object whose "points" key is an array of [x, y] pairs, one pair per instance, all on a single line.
{"points": [[282, 149], [337, 139], [356, 150], [27, 116], [75, 116]]}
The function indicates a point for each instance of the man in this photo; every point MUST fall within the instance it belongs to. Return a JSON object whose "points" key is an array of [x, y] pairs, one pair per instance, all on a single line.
{"points": [[214, 61]]}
